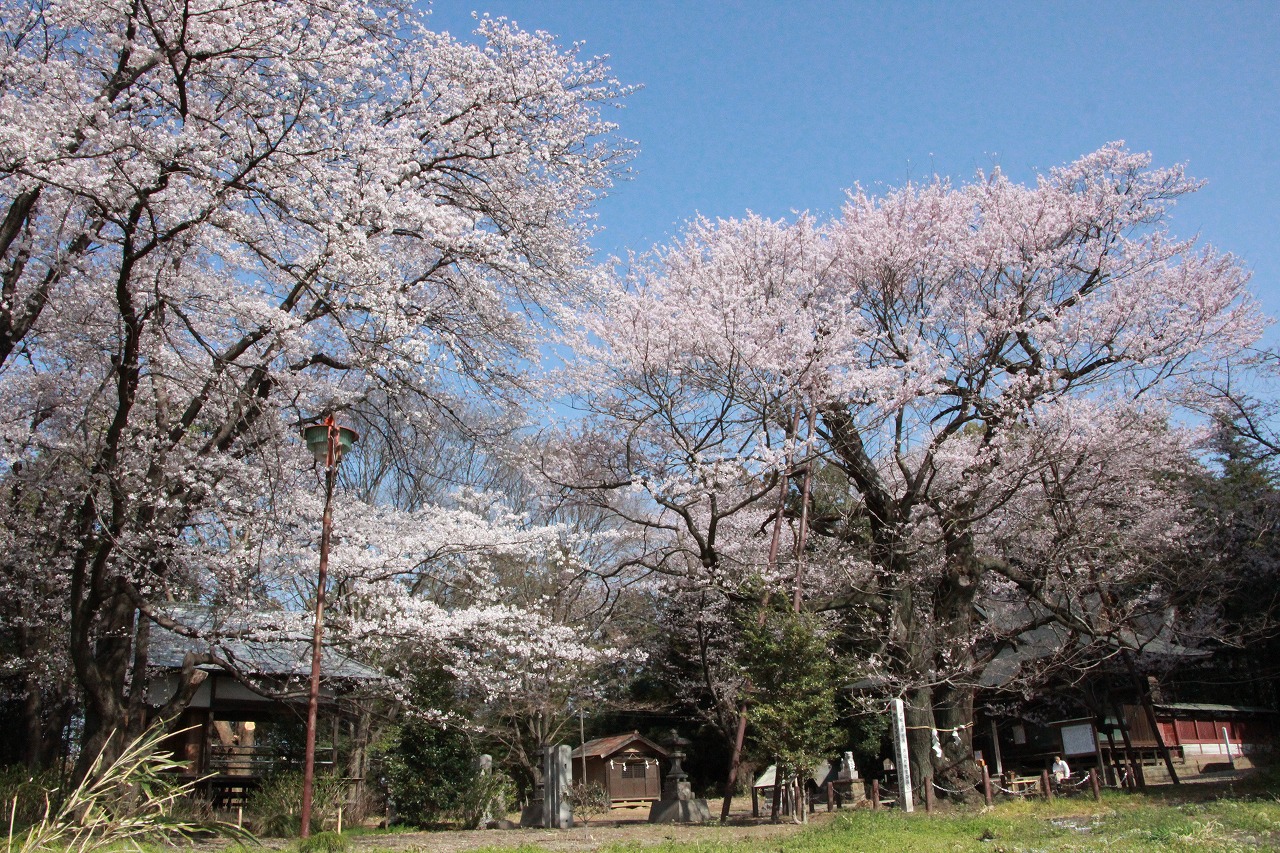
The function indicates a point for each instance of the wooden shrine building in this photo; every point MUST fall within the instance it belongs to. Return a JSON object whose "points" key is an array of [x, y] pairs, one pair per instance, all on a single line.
{"points": [[628, 767], [239, 728]]}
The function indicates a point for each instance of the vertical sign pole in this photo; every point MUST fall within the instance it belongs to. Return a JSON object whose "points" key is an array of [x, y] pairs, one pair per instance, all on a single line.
{"points": [[901, 759]]}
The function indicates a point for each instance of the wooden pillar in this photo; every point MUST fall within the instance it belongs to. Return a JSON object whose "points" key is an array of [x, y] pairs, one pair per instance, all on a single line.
{"points": [[1093, 783], [755, 802], [875, 795], [928, 796], [995, 747], [1139, 775], [986, 785], [1045, 790], [1114, 772], [831, 796]]}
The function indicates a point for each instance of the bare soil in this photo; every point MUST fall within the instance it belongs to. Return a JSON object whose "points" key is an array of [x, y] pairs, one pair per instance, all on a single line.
{"points": [[621, 826]]}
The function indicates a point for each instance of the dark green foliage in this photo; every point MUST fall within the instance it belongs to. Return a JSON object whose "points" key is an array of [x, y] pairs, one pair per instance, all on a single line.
{"points": [[793, 701], [430, 769], [1238, 569], [273, 807], [868, 737], [24, 794]]}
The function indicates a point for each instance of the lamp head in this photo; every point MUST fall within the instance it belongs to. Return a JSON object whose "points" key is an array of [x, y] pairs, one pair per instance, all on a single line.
{"points": [[328, 441]]}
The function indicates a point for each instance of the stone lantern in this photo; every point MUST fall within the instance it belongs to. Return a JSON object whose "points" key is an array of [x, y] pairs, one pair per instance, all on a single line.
{"points": [[678, 805]]}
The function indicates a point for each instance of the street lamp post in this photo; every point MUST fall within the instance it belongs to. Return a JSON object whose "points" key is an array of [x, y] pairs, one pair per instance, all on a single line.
{"points": [[328, 442]]}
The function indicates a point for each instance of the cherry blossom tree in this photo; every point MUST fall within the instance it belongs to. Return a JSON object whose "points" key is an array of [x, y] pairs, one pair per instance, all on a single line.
{"points": [[928, 344], [223, 219]]}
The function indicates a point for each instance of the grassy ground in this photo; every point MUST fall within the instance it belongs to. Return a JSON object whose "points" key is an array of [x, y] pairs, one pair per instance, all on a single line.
{"points": [[1120, 823], [1242, 814]]}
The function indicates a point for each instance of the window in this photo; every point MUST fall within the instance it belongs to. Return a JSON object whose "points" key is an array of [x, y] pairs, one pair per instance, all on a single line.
{"points": [[633, 769]]}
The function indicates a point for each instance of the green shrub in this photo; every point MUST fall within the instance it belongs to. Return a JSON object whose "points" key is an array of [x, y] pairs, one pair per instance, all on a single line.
{"points": [[30, 791], [793, 709], [431, 774], [122, 803], [274, 807], [488, 797], [323, 842], [432, 778]]}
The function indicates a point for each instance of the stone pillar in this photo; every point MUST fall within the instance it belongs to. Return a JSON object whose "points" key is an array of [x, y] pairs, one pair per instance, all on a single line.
{"points": [[557, 779], [484, 767]]}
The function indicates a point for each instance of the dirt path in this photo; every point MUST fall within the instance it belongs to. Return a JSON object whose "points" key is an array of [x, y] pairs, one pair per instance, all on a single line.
{"points": [[576, 840], [623, 826], [617, 829]]}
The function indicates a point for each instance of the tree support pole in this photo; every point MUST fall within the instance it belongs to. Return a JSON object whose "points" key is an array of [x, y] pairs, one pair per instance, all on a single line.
{"points": [[1144, 696]]}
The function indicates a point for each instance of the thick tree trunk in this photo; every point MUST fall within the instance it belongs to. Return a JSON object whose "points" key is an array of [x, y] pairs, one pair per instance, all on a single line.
{"points": [[33, 724], [953, 701], [930, 629], [358, 758], [920, 723], [953, 710], [101, 652]]}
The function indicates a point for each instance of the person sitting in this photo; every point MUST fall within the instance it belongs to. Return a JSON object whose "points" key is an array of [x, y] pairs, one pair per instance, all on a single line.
{"points": [[1060, 770]]}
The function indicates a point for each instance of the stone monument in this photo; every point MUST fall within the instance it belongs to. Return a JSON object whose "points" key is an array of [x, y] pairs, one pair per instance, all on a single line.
{"points": [[557, 779], [678, 805], [552, 807]]}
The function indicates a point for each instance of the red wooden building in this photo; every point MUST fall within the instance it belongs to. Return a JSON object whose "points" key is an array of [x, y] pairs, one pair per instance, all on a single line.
{"points": [[1201, 733]]}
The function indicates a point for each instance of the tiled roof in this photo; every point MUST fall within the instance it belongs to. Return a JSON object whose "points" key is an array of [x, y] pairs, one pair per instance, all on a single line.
{"points": [[1205, 708], [603, 747], [276, 654]]}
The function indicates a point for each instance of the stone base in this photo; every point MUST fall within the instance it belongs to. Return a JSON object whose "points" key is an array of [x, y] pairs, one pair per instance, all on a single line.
{"points": [[680, 811], [531, 817], [851, 793]]}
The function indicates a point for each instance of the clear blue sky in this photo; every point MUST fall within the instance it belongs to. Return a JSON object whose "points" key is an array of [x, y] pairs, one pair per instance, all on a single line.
{"points": [[779, 106]]}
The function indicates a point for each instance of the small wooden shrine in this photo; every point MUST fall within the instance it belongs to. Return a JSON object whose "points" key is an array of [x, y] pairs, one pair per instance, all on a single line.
{"points": [[627, 766]]}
